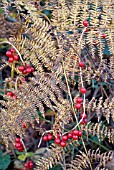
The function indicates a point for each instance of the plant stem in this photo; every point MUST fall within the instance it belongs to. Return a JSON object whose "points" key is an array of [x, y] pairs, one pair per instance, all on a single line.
{"points": [[96, 143]]}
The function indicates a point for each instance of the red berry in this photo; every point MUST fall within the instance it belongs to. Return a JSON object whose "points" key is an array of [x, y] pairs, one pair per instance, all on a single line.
{"points": [[14, 96], [12, 50], [87, 30], [26, 165], [27, 66], [32, 69], [23, 124], [25, 72], [16, 57], [75, 137], [17, 140], [18, 145], [63, 143], [30, 164], [10, 60], [57, 140], [83, 115], [103, 35], [49, 136], [9, 54], [85, 120], [23, 79], [21, 68], [75, 132], [58, 135], [85, 23], [79, 133], [79, 100], [69, 135], [78, 106], [28, 70], [82, 122], [21, 149], [45, 138], [65, 137], [83, 90], [81, 64], [9, 93]]}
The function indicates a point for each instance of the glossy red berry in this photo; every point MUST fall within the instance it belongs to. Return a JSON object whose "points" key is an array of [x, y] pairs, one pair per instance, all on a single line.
{"points": [[9, 93], [85, 23], [103, 35], [79, 100], [83, 90], [10, 60], [21, 68], [20, 149], [16, 57], [78, 106], [17, 140], [14, 97], [18, 145], [75, 132], [27, 66], [65, 138], [12, 50], [32, 69], [30, 163], [57, 140], [75, 137], [85, 120], [83, 115], [45, 138], [81, 64], [50, 136], [63, 143], [28, 70], [79, 133], [9, 54], [25, 72], [69, 135], [26, 165], [82, 122]]}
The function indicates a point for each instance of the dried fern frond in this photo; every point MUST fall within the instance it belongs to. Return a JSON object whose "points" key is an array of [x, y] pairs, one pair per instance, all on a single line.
{"points": [[81, 161], [51, 158], [99, 130], [54, 155], [9, 29], [43, 89]]}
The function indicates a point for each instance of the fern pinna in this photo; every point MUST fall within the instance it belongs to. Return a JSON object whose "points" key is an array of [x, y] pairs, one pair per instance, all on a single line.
{"points": [[64, 63]]}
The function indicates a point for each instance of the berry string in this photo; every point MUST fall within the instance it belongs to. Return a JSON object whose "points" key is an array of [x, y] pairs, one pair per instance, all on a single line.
{"points": [[7, 42]]}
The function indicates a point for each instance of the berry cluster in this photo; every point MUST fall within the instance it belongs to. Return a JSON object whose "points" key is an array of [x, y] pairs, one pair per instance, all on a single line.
{"points": [[19, 145], [71, 135], [47, 137], [78, 104], [62, 139], [26, 69], [84, 120], [28, 166], [11, 94], [12, 55]]}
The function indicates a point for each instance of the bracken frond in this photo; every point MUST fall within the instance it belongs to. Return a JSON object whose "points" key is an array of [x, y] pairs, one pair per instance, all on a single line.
{"points": [[81, 161]]}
